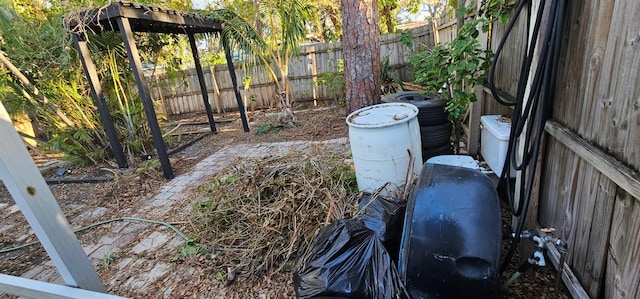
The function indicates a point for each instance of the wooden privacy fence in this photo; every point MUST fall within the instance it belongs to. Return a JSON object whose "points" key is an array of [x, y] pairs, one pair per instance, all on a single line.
{"points": [[591, 184], [182, 95], [589, 181]]}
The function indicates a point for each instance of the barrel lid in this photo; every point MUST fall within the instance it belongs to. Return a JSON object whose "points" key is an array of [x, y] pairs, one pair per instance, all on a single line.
{"points": [[382, 115]]}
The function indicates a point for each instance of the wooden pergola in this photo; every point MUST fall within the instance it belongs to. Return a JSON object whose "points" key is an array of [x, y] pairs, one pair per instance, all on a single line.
{"points": [[128, 18]]}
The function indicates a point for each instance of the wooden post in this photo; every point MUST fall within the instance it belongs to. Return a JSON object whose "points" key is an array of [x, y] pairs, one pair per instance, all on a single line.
{"points": [[216, 90], [234, 81], [22, 178], [436, 33], [203, 84], [474, 122], [99, 100], [166, 106], [314, 74], [143, 90]]}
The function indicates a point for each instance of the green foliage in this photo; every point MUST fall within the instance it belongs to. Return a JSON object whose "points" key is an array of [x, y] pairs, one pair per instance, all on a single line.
{"points": [[107, 259], [269, 33], [326, 20], [406, 38], [389, 80], [494, 10], [220, 276], [346, 176], [10, 94], [35, 41], [189, 248], [264, 128], [387, 10], [453, 69], [456, 67], [79, 146], [147, 166], [335, 82]]}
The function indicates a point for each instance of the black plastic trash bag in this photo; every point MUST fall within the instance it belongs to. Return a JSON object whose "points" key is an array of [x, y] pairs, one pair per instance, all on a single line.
{"points": [[384, 216], [347, 260]]}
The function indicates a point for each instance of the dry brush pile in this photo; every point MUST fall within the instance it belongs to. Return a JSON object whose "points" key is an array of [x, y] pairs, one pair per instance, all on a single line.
{"points": [[254, 215]]}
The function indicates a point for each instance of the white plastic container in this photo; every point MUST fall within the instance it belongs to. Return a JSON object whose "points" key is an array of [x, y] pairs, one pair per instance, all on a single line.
{"points": [[381, 137], [495, 141]]}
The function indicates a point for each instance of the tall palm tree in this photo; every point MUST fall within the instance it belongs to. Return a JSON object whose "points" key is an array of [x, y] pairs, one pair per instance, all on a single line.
{"points": [[274, 40]]}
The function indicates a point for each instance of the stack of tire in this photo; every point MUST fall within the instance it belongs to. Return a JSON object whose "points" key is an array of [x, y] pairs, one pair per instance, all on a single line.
{"points": [[435, 128]]}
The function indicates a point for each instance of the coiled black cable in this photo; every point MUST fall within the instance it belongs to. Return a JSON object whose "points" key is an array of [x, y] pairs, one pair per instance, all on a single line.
{"points": [[530, 114]]}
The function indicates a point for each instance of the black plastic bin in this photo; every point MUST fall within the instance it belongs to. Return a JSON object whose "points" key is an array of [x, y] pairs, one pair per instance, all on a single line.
{"points": [[452, 235]]}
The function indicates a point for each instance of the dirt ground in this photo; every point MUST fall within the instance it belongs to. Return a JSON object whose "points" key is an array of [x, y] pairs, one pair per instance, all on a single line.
{"points": [[121, 196]]}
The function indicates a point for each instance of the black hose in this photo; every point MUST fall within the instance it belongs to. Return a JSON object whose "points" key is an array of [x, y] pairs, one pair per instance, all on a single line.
{"points": [[530, 114], [188, 144], [77, 181], [492, 69], [131, 219]]}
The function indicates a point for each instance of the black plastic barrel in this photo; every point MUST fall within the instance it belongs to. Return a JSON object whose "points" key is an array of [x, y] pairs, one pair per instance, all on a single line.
{"points": [[452, 235]]}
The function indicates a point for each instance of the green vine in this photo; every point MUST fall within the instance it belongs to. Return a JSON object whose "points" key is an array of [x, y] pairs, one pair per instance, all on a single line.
{"points": [[453, 69]]}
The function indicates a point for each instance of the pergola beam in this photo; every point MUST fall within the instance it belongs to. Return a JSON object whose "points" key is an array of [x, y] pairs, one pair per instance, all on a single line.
{"points": [[143, 89], [128, 18], [99, 99], [143, 18], [234, 81], [203, 84]]}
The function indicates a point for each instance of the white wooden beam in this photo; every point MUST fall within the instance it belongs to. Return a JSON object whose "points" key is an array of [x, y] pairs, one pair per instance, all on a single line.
{"points": [[29, 190], [29, 288]]}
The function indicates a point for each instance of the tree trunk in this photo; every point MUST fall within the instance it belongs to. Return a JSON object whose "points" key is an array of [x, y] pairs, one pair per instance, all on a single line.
{"points": [[337, 24], [361, 52], [257, 20], [388, 18]]}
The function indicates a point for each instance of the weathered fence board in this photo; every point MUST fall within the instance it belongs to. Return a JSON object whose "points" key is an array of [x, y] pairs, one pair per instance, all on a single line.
{"points": [[601, 82], [590, 189], [623, 277], [580, 195], [595, 194]]}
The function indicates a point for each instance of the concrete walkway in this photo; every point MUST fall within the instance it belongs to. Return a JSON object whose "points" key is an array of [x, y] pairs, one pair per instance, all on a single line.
{"points": [[136, 244]]}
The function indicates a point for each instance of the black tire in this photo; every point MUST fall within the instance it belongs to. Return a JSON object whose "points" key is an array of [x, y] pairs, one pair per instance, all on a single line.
{"points": [[428, 153], [436, 135], [430, 107]]}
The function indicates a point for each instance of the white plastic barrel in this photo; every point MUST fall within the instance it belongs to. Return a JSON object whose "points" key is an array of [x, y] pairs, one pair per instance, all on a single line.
{"points": [[381, 137]]}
